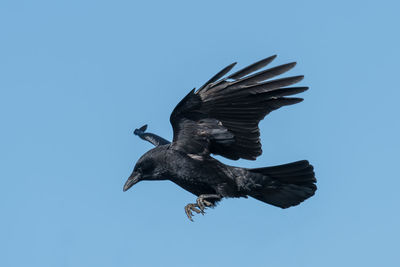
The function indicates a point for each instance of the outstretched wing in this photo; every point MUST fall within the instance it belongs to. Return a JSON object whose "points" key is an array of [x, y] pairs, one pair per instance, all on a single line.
{"points": [[150, 137], [222, 116]]}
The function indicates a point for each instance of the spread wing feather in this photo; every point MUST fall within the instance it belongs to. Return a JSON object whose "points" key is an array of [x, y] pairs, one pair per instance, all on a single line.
{"points": [[222, 116], [150, 137]]}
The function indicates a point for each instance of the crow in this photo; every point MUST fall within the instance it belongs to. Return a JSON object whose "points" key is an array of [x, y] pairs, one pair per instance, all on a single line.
{"points": [[222, 118]]}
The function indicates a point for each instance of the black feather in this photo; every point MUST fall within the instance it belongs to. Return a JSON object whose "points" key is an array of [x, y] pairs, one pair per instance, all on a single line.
{"points": [[217, 76], [252, 68], [222, 118]]}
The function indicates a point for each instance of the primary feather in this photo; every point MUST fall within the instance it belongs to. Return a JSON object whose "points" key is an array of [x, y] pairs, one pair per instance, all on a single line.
{"points": [[236, 106]]}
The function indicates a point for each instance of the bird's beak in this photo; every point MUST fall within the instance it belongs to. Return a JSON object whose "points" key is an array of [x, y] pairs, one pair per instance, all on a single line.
{"points": [[133, 179]]}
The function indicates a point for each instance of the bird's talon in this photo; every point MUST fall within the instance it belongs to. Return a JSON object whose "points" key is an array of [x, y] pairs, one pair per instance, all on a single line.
{"points": [[200, 204], [196, 210], [208, 203], [189, 208], [203, 204]]}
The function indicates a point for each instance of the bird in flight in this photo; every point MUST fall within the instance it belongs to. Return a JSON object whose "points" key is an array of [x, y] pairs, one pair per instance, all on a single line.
{"points": [[222, 118]]}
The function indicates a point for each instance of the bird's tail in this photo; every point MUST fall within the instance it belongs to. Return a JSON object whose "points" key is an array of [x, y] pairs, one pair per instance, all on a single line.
{"points": [[284, 185]]}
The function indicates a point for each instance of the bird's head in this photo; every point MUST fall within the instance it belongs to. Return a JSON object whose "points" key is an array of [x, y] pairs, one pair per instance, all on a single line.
{"points": [[148, 167]]}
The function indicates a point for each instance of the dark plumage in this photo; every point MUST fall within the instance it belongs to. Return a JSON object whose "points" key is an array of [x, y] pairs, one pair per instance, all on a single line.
{"points": [[222, 118], [152, 138]]}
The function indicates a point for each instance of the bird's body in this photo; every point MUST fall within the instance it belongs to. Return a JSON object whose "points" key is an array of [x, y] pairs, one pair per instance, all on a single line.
{"points": [[222, 118], [189, 172], [204, 175]]}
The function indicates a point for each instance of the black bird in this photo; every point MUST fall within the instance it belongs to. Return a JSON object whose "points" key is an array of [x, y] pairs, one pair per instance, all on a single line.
{"points": [[222, 118]]}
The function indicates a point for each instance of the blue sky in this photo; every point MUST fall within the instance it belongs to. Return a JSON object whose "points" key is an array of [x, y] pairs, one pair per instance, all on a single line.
{"points": [[78, 76]]}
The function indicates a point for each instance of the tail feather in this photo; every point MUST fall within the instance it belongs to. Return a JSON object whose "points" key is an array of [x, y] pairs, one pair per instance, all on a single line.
{"points": [[284, 185]]}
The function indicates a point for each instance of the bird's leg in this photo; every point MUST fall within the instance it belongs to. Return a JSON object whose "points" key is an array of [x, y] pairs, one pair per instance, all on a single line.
{"points": [[202, 203]]}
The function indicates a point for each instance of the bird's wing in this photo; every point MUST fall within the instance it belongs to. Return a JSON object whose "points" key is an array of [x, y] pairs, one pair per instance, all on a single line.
{"points": [[150, 137], [222, 116]]}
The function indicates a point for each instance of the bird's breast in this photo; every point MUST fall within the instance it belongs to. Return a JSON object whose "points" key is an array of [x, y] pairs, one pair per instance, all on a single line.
{"points": [[199, 175]]}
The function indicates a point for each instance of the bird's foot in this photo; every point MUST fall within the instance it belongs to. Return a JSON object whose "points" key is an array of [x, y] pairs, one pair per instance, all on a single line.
{"points": [[203, 204], [192, 207]]}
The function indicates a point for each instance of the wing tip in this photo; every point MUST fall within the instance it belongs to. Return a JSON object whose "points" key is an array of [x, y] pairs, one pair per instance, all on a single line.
{"points": [[140, 130], [232, 64], [296, 100], [269, 59], [297, 78]]}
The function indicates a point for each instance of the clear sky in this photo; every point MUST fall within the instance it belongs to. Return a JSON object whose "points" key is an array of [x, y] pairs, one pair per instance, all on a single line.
{"points": [[76, 78]]}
